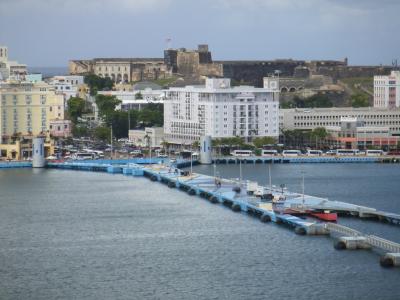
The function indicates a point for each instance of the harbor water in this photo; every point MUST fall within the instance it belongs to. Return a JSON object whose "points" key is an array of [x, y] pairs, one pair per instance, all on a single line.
{"points": [[85, 235]]}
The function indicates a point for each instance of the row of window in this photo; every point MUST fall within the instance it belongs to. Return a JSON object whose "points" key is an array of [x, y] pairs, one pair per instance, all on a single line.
{"points": [[332, 117]]}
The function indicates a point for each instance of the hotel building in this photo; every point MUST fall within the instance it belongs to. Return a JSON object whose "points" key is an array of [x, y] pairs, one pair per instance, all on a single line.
{"points": [[220, 111], [27, 109]]}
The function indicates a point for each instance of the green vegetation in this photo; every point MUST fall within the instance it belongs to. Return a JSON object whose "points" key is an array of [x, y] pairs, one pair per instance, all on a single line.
{"points": [[102, 133], [138, 96], [315, 101], [75, 109], [305, 138], [165, 81], [80, 130], [359, 100], [106, 105], [151, 115], [357, 83], [259, 142], [97, 83]]}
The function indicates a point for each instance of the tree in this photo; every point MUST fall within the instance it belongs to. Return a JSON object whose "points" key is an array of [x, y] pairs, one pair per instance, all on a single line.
{"points": [[359, 100], [106, 105], [259, 142], [152, 115], [102, 133], [80, 130], [196, 145], [318, 134], [97, 83], [138, 96], [75, 108]]}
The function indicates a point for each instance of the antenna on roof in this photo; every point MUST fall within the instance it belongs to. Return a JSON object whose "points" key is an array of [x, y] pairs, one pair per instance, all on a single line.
{"points": [[168, 42], [394, 64]]}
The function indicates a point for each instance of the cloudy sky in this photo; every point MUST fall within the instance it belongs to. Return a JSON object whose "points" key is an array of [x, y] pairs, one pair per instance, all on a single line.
{"points": [[50, 32]]}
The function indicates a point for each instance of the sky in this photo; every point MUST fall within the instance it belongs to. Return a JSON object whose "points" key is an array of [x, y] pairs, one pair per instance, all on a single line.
{"points": [[49, 33]]}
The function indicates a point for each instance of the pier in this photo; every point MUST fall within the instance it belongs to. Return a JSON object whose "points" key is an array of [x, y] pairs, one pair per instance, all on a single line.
{"points": [[240, 196]]}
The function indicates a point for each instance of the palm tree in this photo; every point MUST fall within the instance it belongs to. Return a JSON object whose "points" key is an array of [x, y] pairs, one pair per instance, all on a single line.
{"points": [[147, 138], [196, 145], [165, 146]]}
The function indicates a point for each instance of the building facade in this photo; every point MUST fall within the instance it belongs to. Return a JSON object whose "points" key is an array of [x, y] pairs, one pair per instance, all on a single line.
{"points": [[352, 133], [387, 90], [310, 118], [27, 109], [136, 99], [219, 110], [150, 135], [9, 68], [122, 70]]}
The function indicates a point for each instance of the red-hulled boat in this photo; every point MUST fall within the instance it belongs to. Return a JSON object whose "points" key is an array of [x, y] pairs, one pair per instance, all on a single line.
{"points": [[324, 215]]}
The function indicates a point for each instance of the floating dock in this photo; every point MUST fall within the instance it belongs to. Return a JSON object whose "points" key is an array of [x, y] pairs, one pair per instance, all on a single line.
{"points": [[240, 198]]}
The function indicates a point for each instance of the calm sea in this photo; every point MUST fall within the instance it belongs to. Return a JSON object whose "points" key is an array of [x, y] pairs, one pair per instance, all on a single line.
{"points": [[83, 235]]}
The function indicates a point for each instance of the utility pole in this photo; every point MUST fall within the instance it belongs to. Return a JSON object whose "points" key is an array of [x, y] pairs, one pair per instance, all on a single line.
{"points": [[191, 160], [111, 142], [302, 185], [240, 172], [269, 177], [129, 120]]}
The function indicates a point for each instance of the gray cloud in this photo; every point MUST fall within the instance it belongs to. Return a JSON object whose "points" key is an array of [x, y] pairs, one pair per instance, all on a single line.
{"points": [[50, 32]]}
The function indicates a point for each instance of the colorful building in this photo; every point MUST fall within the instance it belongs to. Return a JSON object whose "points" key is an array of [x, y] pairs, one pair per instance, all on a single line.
{"points": [[26, 109], [387, 90]]}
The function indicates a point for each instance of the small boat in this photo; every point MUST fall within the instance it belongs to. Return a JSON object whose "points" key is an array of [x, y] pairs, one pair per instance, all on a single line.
{"points": [[324, 215]]}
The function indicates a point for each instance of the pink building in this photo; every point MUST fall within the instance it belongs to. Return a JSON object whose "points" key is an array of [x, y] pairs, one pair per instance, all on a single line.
{"points": [[387, 90], [61, 128]]}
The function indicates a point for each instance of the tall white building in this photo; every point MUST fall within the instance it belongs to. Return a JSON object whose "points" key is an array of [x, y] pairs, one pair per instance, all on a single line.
{"points": [[219, 110], [10, 69], [387, 90]]}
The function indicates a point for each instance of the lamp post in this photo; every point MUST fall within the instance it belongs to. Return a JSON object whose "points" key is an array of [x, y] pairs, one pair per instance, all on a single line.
{"points": [[191, 160], [240, 171], [111, 142]]}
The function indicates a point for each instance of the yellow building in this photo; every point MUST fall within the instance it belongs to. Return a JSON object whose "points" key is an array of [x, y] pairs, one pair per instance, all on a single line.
{"points": [[26, 109], [22, 149]]}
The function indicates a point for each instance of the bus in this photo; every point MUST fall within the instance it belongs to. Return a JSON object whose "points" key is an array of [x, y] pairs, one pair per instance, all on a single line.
{"points": [[242, 153], [347, 152], [269, 152], [291, 152], [83, 156], [374, 152], [314, 153]]}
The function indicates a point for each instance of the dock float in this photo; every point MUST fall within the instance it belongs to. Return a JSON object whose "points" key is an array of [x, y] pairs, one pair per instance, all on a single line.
{"points": [[236, 196]]}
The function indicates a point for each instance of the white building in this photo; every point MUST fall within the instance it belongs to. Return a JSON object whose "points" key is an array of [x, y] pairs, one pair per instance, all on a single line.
{"points": [[67, 85], [136, 99], [10, 69], [219, 110], [310, 118], [142, 138], [387, 90]]}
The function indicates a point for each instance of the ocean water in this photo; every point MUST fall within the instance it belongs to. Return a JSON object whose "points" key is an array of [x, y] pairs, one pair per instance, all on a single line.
{"points": [[84, 235], [49, 71]]}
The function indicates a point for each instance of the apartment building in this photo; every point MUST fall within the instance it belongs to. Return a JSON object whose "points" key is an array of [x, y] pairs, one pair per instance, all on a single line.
{"points": [[27, 109], [219, 110], [387, 90]]}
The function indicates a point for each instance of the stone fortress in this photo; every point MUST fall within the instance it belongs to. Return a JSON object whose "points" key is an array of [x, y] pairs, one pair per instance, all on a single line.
{"points": [[192, 66]]}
